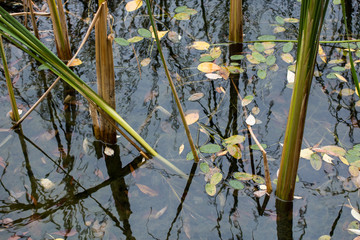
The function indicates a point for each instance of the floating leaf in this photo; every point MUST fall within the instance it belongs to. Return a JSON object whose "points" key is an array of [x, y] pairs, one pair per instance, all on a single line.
{"points": [[133, 5], [215, 52], [144, 33], [290, 76], [145, 62], [146, 190], [261, 73], [270, 60], [182, 16], [251, 59], [216, 178], [256, 147], [324, 237], [288, 47], [354, 171], [235, 139], [109, 151], [234, 151], [343, 160], [192, 117], [195, 96], [210, 148], [75, 62], [279, 20], [190, 155], [274, 68], [243, 176], [174, 37], [180, 9], [213, 76], [247, 100], [210, 189], [181, 148], [287, 57], [266, 37], [158, 214], [206, 58], [322, 54], [268, 46], [259, 193], [341, 78], [315, 161], [346, 92], [337, 2], [237, 57], [121, 41], [46, 183], [235, 69], [279, 29], [236, 184], [135, 39], [291, 20], [338, 69], [355, 214], [200, 45], [224, 73], [255, 110], [204, 167], [250, 120], [258, 179], [190, 11], [327, 158], [258, 57], [259, 47], [208, 67]]}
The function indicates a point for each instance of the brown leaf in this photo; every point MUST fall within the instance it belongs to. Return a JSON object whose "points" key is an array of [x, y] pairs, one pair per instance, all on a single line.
{"points": [[146, 190], [224, 73], [75, 62]]}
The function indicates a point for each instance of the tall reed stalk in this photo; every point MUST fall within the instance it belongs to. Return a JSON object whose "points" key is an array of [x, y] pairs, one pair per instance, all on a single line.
{"points": [[311, 19], [60, 29], [236, 21], [15, 112]]}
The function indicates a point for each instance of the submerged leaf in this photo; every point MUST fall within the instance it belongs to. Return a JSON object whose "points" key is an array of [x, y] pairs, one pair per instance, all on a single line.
{"points": [[192, 117], [236, 184], [195, 96], [200, 45], [146, 190], [315, 161]]}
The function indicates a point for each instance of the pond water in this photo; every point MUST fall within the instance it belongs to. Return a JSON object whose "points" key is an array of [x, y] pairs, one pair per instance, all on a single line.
{"points": [[122, 197]]}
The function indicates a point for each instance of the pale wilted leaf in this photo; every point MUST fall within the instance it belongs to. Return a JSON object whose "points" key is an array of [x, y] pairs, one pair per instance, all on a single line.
{"points": [[343, 160], [200, 45], [291, 20], [341, 78], [146, 190], [322, 54], [133, 5], [306, 153], [250, 120], [191, 117], [86, 146], [346, 92], [354, 171], [251, 59], [158, 213], [215, 52], [355, 214], [224, 72], [46, 183], [259, 193], [99, 173], [145, 62], [182, 16], [213, 76], [208, 67], [334, 150], [356, 231], [327, 158], [196, 96], [108, 151], [290, 76], [279, 29], [150, 95]]}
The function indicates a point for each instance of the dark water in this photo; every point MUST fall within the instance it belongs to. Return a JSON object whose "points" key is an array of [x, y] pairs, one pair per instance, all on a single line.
{"points": [[97, 197]]}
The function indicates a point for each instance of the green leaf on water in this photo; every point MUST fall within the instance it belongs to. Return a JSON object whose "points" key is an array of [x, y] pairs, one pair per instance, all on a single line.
{"points": [[258, 179], [234, 151], [258, 57], [324, 237], [210, 148], [190, 155], [247, 100], [266, 37], [135, 39], [144, 33], [190, 11], [122, 41], [259, 47], [315, 161], [206, 58], [216, 178], [235, 69], [288, 47], [331, 75], [180, 9], [236, 184], [256, 147], [279, 20], [337, 2], [210, 189], [243, 176], [270, 60], [338, 69], [204, 167], [234, 139], [237, 57], [346, 46], [261, 73], [182, 16]]}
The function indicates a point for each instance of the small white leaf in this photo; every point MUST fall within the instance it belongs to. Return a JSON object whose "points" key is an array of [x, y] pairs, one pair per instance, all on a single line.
{"points": [[297, 197], [109, 152], [86, 145], [290, 76], [262, 187], [181, 149], [327, 158], [213, 76], [259, 193], [355, 214], [356, 231], [250, 120], [46, 183]]}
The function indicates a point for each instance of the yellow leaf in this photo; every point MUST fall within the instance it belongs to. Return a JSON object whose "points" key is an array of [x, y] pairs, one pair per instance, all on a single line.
{"points": [[208, 67], [75, 62], [133, 5], [322, 54], [145, 62], [161, 34], [344, 160], [287, 57], [341, 78], [181, 148], [200, 45], [191, 117]]}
